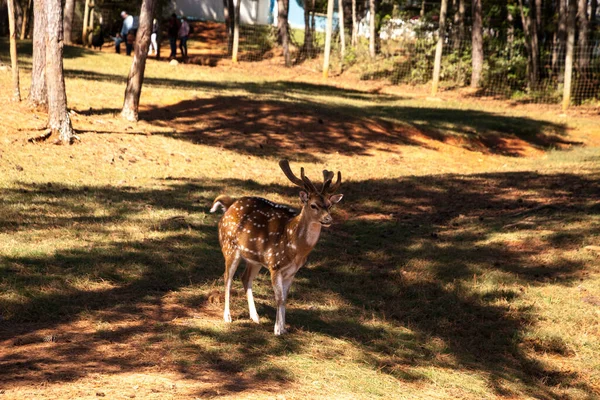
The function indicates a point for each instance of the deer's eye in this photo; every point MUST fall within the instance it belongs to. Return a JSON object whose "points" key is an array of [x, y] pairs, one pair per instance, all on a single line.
{"points": [[314, 206]]}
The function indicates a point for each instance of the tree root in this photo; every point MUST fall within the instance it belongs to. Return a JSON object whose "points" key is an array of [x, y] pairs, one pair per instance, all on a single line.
{"points": [[534, 210], [41, 138], [47, 134]]}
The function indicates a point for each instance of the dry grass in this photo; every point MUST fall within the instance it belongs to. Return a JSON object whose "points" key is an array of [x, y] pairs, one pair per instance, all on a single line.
{"points": [[462, 264]]}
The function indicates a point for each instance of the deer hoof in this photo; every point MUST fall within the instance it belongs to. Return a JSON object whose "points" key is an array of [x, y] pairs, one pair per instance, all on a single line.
{"points": [[280, 331], [227, 317]]}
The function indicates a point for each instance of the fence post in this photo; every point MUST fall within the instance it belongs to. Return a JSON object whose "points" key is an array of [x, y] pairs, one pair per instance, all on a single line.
{"points": [[236, 31], [438, 49], [569, 56]]}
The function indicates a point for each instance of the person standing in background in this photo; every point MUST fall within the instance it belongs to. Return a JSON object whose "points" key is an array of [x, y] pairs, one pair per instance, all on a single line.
{"points": [[184, 32], [173, 26], [153, 43], [127, 26]]}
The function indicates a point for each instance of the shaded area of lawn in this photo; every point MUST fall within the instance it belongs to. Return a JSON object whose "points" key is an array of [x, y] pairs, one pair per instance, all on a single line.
{"points": [[408, 257], [253, 127], [278, 127]]}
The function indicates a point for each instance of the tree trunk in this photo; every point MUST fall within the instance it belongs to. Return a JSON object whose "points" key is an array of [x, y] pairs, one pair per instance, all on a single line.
{"points": [[438, 50], [454, 6], [307, 48], [236, 31], [86, 17], [58, 117], [538, 17], [342, 30], [572, 12], [91, 23], [531, 43], [372, 48], [459, 23], [38, 95], [510, 33], [593, 12], [13, 50], [18, 13], [228, 12], [26, 14], [282, 29], [136, 72], [582, 42], [68, 20], [536, 37], [536, 29], [328, 33], [477, 40], [313, 22], [526, 21], [354, 25], [560, 37]]}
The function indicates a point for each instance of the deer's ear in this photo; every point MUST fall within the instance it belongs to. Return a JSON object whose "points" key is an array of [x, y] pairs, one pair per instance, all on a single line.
{"points": [[336, 198], [304, 196]]}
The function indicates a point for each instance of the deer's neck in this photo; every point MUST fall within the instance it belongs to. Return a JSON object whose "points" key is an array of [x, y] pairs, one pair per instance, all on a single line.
{"points": [[304, 233]]}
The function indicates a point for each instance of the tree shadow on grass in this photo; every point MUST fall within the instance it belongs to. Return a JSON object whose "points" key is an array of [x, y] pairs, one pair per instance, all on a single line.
{"points": [[274, 127], [281, 89], [407, 257], [25, 47], [479, 130]]}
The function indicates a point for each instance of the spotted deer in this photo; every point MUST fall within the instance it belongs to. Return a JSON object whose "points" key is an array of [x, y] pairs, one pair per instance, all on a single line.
{"points": [[270, 235]]}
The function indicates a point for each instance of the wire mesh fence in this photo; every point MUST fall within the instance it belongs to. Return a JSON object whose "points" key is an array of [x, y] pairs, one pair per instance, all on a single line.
{"points": [[404, 56]]}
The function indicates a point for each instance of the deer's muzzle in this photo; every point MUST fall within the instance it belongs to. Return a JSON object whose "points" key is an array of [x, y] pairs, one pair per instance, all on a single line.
{"points": [[326, 220]]}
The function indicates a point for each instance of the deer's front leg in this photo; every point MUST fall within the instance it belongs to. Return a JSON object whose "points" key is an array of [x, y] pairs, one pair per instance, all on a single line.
{"points": [[277, 281], [281, 286]]}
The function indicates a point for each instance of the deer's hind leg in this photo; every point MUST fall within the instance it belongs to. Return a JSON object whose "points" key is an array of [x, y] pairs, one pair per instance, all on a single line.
{"points": [[231, 263], [250, 273]]}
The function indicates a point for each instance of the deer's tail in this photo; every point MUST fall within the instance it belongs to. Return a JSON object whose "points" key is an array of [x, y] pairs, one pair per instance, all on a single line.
{"points": [[222, 202]]}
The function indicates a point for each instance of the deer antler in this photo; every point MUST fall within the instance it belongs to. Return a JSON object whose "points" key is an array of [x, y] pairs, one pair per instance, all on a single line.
{"points": [[337, 183], [307, 183], [327, 177], [304, 183], [285, 167], [327, 182]]}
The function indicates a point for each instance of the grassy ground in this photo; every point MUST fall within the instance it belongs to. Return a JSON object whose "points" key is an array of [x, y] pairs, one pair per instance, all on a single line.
{"points": [[463, 262]]}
